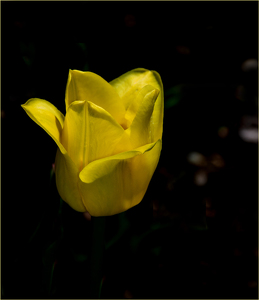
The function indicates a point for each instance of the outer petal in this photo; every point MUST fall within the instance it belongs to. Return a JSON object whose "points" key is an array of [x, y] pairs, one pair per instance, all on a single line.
{"points": [[91, 87], [158, 112], [47, 116], [67, 178], [51, 120], [129, 84], [140, 132], [114, 184], [90, 133], [136, 102]]}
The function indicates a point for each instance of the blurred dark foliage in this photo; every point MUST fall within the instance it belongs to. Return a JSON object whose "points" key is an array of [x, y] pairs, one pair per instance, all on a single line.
{"points": [[195, 234]]}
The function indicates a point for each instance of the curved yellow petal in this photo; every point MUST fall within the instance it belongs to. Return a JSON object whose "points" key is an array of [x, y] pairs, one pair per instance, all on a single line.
{"points": [[91, 87], [114, 184], [140, 132], [158, 112], [128, 86], [67, 177], [136, 102], [106, 135], [90, 133], [47, 116]]}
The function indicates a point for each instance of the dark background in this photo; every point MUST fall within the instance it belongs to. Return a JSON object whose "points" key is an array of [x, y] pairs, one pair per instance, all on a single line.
{"points": [[195, 234]]}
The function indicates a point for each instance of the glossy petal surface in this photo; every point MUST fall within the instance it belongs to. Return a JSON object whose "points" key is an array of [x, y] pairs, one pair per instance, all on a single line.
{"points": [[117, 183], [67, 178], [136, 103], [90, 133], [140, 130], [47, 116], [128, 86], [91, 87]]}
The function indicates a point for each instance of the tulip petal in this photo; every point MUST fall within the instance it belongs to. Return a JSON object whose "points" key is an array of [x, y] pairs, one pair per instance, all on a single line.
{"points": [[91, 87], [135, 103], [158, 112], [128, 86], [67, 178], [90, 133], [47, 116], [114, 184], [106, 135], [51, 120], [140, 132]]}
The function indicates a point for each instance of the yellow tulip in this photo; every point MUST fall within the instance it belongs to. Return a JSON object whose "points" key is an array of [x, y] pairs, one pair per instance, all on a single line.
{"points": [[110, 140]]}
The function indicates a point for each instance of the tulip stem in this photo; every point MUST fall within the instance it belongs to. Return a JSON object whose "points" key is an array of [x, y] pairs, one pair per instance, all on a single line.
{"points": [[97, 255]]}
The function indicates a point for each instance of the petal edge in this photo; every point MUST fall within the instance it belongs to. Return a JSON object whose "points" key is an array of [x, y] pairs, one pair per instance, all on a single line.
{"points": [[47, 116], [115, 184]]}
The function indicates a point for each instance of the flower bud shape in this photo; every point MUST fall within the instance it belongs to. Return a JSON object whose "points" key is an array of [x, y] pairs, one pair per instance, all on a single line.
{"points": [[109, 141]]}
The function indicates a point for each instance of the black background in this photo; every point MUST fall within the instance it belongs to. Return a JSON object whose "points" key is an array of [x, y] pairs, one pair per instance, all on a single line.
{"points": [[208, 247]]}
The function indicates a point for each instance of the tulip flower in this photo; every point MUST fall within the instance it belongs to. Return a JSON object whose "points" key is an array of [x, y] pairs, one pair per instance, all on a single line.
{"points": [[109, 141]]}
